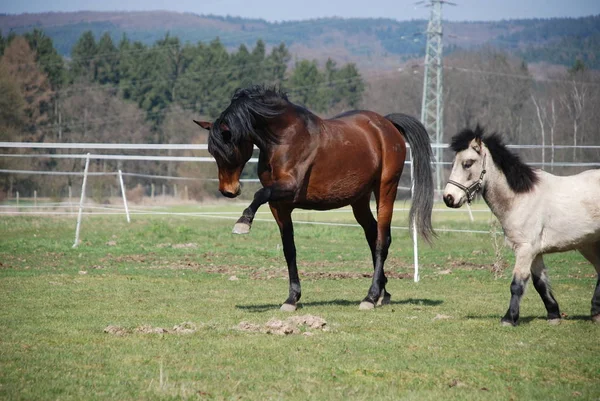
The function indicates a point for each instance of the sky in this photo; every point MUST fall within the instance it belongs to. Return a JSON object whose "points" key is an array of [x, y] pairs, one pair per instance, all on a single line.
{"points": [[286, 10]]}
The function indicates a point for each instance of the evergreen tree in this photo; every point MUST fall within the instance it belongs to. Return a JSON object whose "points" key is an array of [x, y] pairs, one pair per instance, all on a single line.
{"points": [[257, 69], [305, 83], [107, 59], [349, 86], [83, 57], [127, 65], [276, 65], [207, 84]]}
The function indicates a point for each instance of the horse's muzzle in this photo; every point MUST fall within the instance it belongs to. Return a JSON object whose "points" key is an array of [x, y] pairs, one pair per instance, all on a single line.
{"points": [[230, 194]]}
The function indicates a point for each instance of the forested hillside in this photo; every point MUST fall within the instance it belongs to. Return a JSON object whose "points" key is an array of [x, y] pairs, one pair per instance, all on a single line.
{"points": [[369, 43]]}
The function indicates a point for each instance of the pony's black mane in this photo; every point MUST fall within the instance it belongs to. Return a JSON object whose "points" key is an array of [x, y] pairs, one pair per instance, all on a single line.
{"points": [[246, 118], [520, 176]]}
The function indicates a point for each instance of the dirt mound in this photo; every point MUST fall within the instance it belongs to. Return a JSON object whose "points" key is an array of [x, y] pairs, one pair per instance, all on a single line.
{"points": [[291, 325], [182, 328]]}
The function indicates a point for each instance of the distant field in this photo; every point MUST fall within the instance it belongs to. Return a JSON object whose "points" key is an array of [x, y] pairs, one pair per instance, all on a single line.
{"points": [[187, 305]]}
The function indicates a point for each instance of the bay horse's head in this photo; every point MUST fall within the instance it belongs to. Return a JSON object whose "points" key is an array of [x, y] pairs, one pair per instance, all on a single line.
{"points": [[231, 156], [249, 120], [468, 170]]}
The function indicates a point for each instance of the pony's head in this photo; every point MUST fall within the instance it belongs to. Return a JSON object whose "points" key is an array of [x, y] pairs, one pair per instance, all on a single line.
{"points": [[473, 150], [231, 156], [468, 169]]}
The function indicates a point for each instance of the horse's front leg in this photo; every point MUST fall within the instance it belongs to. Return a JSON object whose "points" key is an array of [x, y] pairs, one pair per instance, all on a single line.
{"points": [[244, 223], [521, 274], [283, 217]]}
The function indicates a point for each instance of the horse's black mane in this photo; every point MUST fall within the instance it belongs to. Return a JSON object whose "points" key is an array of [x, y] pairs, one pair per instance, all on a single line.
{"points": [[245, 118], [520, 176]]}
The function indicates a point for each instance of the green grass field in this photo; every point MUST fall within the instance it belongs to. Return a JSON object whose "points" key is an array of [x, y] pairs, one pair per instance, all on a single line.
{"points": [[440, 339]]}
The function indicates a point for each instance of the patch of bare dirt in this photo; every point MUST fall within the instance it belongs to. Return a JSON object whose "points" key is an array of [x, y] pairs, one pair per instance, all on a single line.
{"points": [[116, 330], [182, 328], [151, 261], [292, 325]]}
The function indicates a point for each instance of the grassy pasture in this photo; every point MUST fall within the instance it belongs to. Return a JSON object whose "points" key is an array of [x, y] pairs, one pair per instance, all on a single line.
{"points": [[440, 339]]}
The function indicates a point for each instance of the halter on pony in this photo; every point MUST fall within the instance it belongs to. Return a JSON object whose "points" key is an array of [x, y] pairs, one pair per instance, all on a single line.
{"points": [[472, 189]]}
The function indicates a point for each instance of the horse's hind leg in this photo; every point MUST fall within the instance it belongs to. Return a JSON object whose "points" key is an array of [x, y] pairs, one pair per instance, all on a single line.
{"points": [[364, 217], [283, 217], [542, 285], [385, 208], [592, 253]]}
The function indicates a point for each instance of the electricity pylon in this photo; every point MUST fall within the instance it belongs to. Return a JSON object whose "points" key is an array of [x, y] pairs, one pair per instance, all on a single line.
{"points": [[432, 108]]}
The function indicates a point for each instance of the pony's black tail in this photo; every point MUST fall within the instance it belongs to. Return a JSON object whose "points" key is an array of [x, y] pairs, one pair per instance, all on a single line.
{"points": [[422, 199]]}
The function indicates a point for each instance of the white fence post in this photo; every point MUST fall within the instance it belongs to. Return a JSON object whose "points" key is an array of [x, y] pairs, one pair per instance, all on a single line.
{"points": [[70, 199], [414, 228], [124, 196], [85, 175]]}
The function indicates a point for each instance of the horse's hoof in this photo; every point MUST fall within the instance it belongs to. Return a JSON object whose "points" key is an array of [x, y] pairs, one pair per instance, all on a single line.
{"points": [[506, 323], [288, 308], [241, 228], [365, 305], [596, 318], [554, 322], [384, 299]]}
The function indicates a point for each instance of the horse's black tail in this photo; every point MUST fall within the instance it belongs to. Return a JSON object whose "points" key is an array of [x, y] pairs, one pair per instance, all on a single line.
{"points": [[422, 199]]}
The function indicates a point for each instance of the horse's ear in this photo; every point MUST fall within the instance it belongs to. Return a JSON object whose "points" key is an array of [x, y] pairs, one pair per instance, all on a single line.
{"points": [[204, 124], [476, 145], [224, 127]]}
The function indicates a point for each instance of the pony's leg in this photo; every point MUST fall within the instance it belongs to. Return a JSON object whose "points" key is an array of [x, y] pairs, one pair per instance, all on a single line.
{"points": [[540, 282], [283, 217], [244, 223], [592, 253], [385, 209], [364, 217], [521, 274]]}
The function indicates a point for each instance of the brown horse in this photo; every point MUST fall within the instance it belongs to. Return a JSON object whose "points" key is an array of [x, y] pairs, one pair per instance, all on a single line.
{"points": [[309, 163]]}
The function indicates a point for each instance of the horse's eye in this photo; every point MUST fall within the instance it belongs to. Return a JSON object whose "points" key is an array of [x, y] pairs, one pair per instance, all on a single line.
{"points": [[468, 164]]}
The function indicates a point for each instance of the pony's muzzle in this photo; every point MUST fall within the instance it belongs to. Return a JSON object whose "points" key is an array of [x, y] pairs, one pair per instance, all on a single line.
{"points": [[449, 200]]}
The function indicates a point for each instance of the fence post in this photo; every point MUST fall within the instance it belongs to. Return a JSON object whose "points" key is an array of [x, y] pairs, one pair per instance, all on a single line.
{"points": [[17, 201], [124, 196], [85, 175], [414, 228], [35, 198], [71, 198]]}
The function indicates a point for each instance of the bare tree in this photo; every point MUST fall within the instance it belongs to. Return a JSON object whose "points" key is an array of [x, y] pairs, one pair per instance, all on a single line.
{"points": [[33, 84]]}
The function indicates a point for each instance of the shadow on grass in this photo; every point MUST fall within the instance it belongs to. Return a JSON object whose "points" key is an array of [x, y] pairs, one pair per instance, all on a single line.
{"points": [[339, 302], [525, 320]]}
